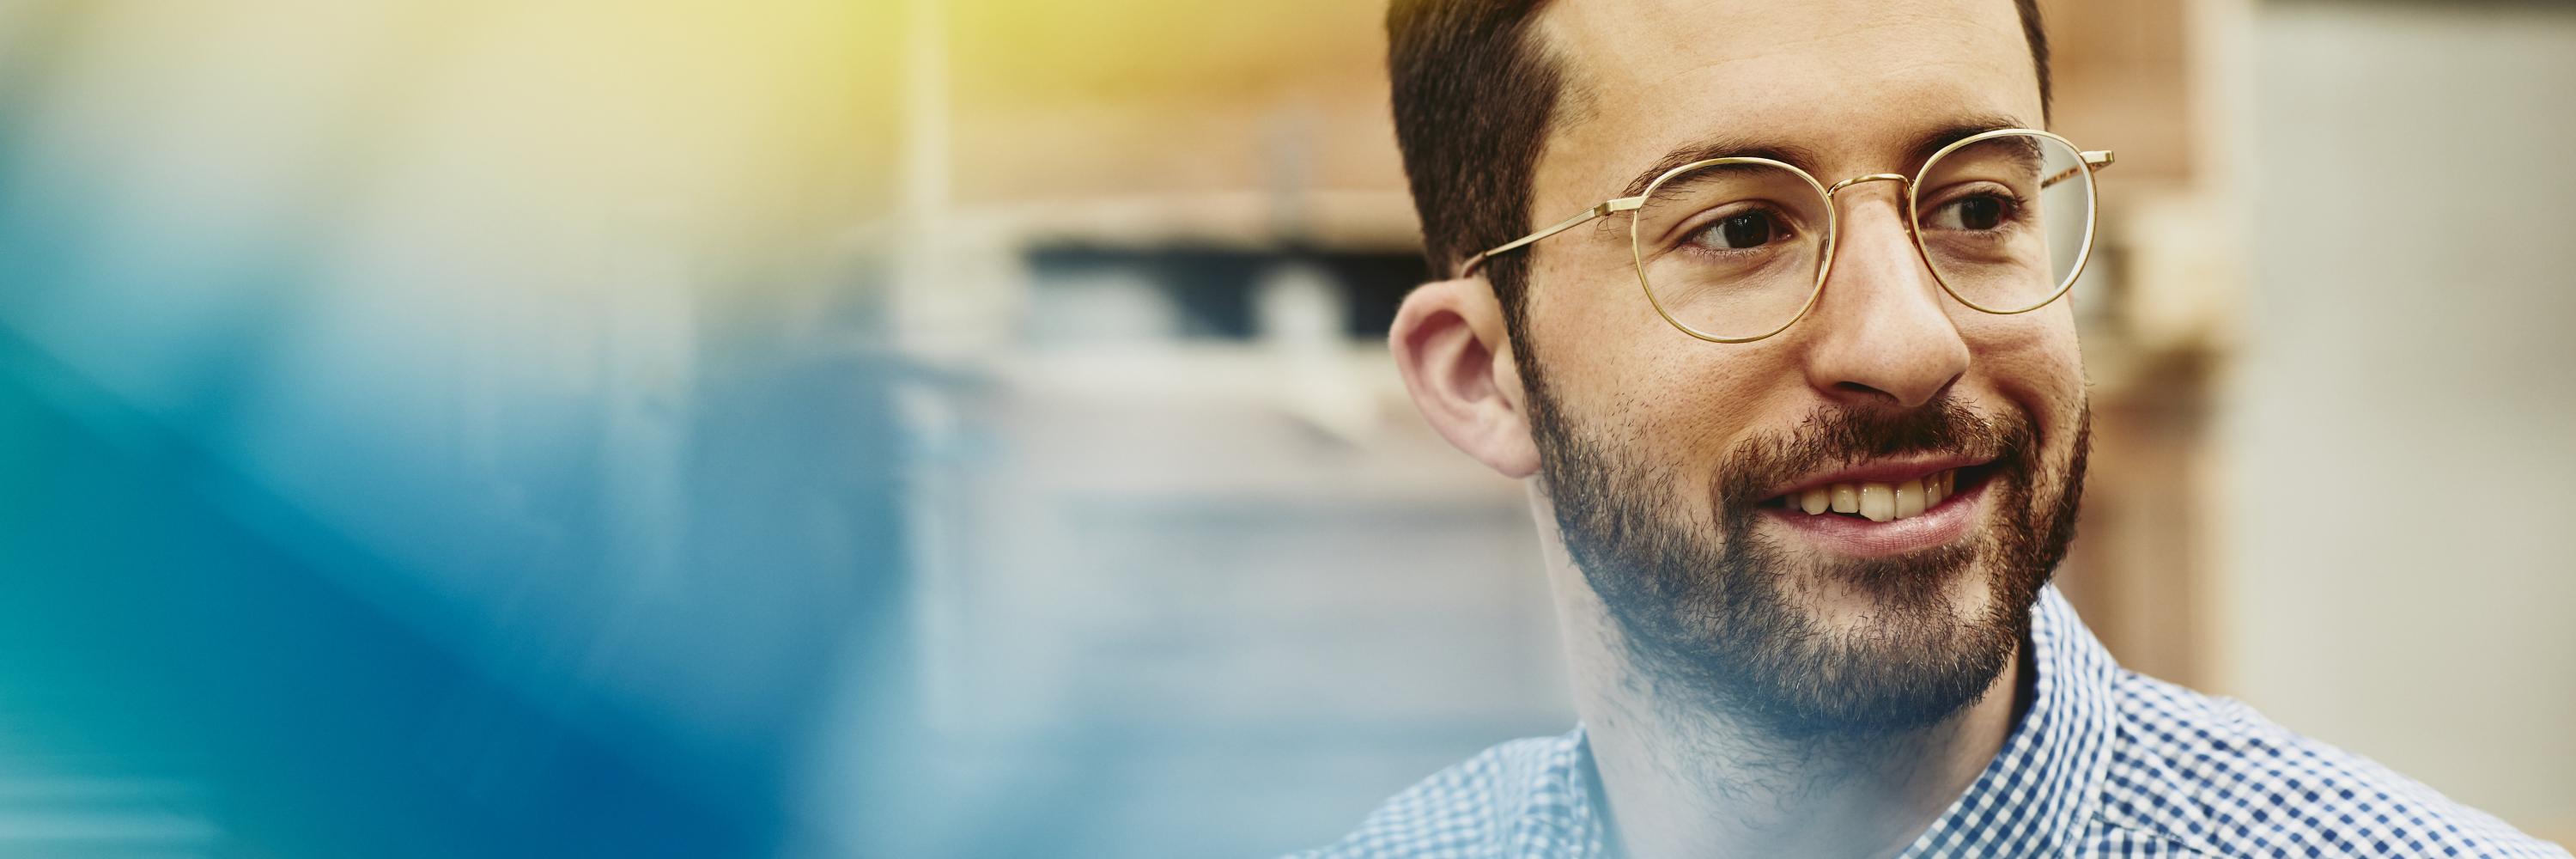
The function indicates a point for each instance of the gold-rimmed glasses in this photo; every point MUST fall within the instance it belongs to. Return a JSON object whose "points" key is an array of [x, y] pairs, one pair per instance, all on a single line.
{"points": [[1736, 249]]}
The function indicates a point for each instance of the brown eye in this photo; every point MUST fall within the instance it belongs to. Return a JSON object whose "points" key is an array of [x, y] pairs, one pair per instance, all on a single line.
{"points": [[1980, 212], [1742, 230]]}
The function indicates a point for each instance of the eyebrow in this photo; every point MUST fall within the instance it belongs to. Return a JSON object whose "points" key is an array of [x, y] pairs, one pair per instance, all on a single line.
{"points": [[1804, 158]]}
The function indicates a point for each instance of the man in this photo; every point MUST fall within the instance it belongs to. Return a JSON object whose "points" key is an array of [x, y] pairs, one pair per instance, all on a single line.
{"points": [[1766, 300]]}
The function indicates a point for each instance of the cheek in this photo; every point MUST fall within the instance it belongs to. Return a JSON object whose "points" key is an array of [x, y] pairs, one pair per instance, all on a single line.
{"points": [[2032, 359], [2040, 344], [1596, 354], [1661, 400], [1623, 371]]}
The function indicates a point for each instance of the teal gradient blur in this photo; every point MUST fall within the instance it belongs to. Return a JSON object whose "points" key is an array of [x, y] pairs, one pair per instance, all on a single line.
{"points": [[440, 429]]}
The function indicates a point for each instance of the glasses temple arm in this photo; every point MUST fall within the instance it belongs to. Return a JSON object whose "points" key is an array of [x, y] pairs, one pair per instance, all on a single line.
{"points": [[1606, 207], [2096, 159]]}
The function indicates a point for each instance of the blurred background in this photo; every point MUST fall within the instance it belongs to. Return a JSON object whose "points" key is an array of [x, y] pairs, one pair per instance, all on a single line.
{"points": [[962, 428]]}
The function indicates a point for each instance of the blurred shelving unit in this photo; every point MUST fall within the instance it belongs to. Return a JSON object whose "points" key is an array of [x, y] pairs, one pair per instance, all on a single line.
{"points": [[1193, 579]]}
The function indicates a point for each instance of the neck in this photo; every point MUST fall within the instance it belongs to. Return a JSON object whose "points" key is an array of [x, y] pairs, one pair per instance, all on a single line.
{"points": [[1684, 781]]}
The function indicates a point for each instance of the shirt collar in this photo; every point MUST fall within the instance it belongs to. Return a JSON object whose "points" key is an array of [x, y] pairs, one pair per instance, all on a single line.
{"points": [[2036, 794], [2030, 801]]}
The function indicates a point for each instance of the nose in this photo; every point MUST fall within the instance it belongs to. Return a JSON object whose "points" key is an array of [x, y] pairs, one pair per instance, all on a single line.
{"points": [[1881, 333]]}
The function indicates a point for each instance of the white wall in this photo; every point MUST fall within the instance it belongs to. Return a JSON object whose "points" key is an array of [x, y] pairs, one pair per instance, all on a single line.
{"points": [[2402, 429]]}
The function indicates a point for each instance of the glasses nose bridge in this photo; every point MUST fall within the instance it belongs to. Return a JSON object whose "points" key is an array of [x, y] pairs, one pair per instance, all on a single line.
{"points": [[1904, 194], [1904, 202], [1903, 205], [1903, 182]]}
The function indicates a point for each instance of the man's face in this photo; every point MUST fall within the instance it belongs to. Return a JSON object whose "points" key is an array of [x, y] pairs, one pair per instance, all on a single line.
{"points": [[1668, 458]]}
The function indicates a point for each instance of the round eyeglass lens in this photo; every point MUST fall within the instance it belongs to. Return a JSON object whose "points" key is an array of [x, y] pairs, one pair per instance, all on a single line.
{"points": [[2006, 221], [1732, 249]]}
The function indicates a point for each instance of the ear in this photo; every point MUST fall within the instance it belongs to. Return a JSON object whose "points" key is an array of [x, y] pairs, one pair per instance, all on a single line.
{"points": [[1451, 347]]}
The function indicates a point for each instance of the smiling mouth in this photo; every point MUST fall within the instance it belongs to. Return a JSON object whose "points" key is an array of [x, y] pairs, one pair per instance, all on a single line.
{"points": [[1878, 501]]}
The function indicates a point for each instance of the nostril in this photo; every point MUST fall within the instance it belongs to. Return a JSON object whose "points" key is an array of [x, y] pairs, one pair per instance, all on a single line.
{"points": [[1861, 389], [1883, 396]]}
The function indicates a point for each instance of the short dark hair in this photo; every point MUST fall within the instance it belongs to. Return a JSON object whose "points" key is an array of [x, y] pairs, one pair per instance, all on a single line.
{"points": [[1473, 95]]}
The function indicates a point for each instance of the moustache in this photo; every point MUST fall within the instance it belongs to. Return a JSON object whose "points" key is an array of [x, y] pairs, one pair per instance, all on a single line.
{"points": [[1839, 437]]}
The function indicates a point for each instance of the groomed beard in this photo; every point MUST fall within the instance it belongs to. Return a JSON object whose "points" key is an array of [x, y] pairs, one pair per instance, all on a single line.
{"points": [[1711, 617]]}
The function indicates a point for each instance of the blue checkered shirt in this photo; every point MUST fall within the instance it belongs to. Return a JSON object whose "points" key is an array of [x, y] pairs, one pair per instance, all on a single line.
{"points": [[2105, 763]]}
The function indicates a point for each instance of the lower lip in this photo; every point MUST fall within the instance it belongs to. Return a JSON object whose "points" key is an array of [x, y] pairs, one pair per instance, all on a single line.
{"points": [[1853, 535]]}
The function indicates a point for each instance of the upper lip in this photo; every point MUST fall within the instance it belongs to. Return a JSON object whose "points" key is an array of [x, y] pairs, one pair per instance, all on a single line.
{"points": [[1881, 471]]}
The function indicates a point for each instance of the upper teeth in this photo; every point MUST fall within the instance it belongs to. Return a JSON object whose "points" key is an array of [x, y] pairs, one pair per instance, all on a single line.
{"points": [[1880, 502]]}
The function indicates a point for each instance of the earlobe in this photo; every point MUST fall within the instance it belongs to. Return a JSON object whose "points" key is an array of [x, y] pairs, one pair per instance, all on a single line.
{"points": [[1451, 347]]}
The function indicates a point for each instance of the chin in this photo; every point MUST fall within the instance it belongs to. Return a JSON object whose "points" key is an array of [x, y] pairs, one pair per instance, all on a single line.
{"points": [[1870, 606]]}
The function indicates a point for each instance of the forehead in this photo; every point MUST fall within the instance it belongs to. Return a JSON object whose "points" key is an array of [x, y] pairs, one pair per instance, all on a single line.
{"points": [[1854, 81]]}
